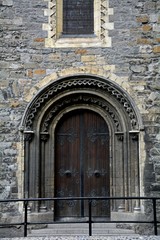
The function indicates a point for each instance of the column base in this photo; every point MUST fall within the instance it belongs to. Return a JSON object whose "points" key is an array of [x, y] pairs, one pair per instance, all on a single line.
{"points": [[137, 210], [43, 209], [121, 208]]}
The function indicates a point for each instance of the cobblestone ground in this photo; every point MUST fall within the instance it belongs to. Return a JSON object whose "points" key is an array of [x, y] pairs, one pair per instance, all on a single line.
{"points": [[89, 238]]}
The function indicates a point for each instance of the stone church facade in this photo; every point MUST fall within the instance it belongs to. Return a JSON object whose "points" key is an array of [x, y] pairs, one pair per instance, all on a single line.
{"points": [[54, 78]]}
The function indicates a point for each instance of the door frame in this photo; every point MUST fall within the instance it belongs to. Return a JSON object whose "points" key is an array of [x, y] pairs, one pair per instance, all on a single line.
{"points": [[106, 98], [81, 112]]}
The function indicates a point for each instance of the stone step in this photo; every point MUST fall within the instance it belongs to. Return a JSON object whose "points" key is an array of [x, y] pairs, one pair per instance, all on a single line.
{"points": [[77, 233], [79, 229], [81, 225]]}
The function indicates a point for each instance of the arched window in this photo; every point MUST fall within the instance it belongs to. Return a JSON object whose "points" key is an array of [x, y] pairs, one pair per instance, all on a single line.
{"points": [[78, 17]]}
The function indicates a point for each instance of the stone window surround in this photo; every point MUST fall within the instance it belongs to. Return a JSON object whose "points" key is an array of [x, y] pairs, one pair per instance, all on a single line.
{"points": [[101, 27], [82, 20]]}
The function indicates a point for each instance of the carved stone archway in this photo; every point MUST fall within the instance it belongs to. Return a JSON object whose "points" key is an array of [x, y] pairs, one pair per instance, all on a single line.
{"points": [[82, 92]]}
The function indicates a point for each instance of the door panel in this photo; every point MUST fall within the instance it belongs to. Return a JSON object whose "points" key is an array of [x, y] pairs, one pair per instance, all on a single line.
{"points": [[82, 164], [67, 166], [96, 164]]}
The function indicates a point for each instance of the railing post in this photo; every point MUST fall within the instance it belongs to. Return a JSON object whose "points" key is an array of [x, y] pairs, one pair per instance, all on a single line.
{"points": [[25, 217], [154, 216], [90, 216]]}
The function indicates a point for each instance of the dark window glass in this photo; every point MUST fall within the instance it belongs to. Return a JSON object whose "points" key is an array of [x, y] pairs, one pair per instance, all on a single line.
{"points": [[78, 17]]}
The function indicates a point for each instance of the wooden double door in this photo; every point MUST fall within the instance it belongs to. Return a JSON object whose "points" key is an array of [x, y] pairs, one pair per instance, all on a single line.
{"points": [[82, 164]]}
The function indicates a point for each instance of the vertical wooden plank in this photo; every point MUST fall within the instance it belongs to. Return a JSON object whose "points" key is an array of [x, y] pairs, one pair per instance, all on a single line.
{"points": [[67, 182], [96, 159]]}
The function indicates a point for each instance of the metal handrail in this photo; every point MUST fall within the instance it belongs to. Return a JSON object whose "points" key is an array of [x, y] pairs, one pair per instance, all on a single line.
{"points": [[90, 199]]}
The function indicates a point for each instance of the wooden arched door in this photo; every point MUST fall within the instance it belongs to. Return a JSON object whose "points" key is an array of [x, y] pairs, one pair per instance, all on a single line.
{"points": [[82, 164]]}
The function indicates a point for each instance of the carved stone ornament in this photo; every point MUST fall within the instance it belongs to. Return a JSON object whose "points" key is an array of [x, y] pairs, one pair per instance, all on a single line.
{"points": [[120, 136], [70, 135], [101, 134], [80, 82], [28, 136], [44, 136], [80, 99], [134, 135]]}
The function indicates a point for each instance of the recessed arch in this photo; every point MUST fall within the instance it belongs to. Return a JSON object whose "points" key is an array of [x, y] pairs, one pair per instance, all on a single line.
{"points": [[83, 82], [76, 99], [87, 92]]}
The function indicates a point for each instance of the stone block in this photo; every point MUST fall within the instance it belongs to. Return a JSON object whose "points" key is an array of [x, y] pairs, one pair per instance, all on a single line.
{"points": [[156, 49], [14, 104], [144, 41], [30, 73], [143, 19], [10, 152], [157, 40], [4, 64], [37, 58], [81, 51], [153, 17], [39, 72], [156, 27], [146, 28], [138, 68], [88, 58], [54, 57], [39, 40], [7, 2]]}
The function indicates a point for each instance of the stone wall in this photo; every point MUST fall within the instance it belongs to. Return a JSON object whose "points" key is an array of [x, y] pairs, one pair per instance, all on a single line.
{"points": [[26, 66]]}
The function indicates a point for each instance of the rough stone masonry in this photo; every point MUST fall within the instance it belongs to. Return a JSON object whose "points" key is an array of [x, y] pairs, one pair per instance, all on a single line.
{"points": [[132, 60]]}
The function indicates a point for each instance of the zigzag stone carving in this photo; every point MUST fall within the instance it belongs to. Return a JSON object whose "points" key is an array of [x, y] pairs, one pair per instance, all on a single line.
{"points": [[81, 99], [53, 22], [80, 82], [103, 19], [52, 19]]}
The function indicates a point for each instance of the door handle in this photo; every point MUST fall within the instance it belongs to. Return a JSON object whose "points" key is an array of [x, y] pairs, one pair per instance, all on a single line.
{"points": [[68, 173], [97, 173]]}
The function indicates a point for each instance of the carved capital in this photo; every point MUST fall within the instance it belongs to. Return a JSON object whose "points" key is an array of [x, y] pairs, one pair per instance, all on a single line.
{"points": [[28, 136], [134, 135], [44, 136], [120, 136]]}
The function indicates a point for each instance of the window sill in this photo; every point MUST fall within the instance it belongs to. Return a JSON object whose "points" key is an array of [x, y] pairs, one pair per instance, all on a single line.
{"points": [[74, 42], [78, 36]]}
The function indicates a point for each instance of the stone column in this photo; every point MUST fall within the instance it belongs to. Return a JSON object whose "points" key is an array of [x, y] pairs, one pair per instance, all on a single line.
{"points": [[28, 136], [134, 146], [43, 139], [120, 169]]}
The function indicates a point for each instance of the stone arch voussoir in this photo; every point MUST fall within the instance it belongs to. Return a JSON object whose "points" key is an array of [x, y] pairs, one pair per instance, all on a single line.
{"points": [[90, 83]]}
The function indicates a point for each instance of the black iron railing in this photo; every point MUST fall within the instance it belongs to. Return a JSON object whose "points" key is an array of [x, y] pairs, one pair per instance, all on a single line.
{"points": [[26, 202]]}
